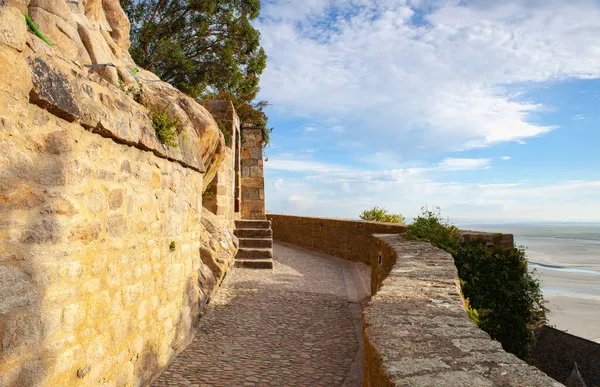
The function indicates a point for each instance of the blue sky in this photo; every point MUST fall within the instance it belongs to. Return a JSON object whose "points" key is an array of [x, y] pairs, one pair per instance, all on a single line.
{"points": [[488, 109]]}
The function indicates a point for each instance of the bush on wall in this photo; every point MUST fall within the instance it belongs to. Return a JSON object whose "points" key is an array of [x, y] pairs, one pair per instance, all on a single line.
{"points": [[377, 214], [503, 299]]}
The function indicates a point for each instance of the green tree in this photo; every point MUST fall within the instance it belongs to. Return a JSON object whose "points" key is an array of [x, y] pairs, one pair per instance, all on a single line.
{"points": [[378, 214], [206, 48]]}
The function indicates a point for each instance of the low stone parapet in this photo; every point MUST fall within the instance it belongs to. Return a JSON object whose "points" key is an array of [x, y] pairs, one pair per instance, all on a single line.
{"points": [[416, 331], [343, 238]]}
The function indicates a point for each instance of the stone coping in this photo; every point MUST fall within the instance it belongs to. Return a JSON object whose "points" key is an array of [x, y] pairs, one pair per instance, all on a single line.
{"points": [[416, 331]]}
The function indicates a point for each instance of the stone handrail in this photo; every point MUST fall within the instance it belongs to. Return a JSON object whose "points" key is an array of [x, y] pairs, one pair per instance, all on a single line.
{"points": [[416, 331]]}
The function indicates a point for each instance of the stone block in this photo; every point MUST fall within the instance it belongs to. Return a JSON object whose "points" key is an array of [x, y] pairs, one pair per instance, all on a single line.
{"points": [[21, 332], [58, 143], [254, 182], [115, 199], [16, 288], [43, 231], [15, 77], [95, 202], [117, 226], [250, 194], [256, 171], [256, 153], [86, 231], [245, 172], [22, 197], [13, 28], [73, 316], [61, 206], [53, 91]]}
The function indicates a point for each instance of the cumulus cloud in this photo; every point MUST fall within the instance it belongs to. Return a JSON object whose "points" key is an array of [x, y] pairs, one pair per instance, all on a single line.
{"points": [[428, 75], [397, 85]]}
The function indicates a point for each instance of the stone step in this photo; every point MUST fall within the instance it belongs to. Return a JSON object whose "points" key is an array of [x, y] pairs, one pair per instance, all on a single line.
{"points": [[254, 253], [253, 233], [256, 242], [254, 263], [251, 223]]}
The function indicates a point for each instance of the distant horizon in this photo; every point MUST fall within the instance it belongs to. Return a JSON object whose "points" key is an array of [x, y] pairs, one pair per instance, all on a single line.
{"points": [[470, 221]]}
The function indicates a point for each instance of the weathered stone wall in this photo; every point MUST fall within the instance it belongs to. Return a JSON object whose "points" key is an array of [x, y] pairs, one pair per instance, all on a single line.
{"points": [[343, 238], [253, 181], [346, 238], [222, 193], [416, 331], [106, 255], [555, 352], [93, 288]]}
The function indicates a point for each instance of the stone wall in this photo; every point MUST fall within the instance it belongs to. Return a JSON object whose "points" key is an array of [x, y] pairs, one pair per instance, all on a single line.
{"points": [[253, 182], [106, 254], [416, 331], [100, 268], [222, 195], [555, 353], [343, 238]]}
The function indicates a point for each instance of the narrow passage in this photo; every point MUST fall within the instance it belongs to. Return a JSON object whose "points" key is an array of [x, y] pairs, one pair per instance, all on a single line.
{"points": [[295, 325]]}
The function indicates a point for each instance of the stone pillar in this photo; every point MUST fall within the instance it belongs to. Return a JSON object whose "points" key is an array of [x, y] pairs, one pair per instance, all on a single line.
{"points": [[221, 197], [253, 182]]}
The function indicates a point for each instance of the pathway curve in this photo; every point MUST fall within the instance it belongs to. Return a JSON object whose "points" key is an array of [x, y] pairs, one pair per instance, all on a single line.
{"points": [[296, 325]]}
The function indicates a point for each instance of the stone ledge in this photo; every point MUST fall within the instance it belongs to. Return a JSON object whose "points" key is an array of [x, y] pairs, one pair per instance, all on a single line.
{"points": [[416, 331], [74, 94]]}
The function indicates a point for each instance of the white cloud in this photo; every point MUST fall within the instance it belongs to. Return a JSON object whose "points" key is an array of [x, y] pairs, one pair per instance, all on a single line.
{"points": [[456, 164], [505, 158], [309, 129], [332, 190], [297, 165], [578, 117], [445, 84]]}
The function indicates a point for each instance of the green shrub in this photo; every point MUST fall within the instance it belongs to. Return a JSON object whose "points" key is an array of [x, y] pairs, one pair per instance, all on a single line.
{"points": [[136, 92], [501, 297], [508, 300], [377, 214], [430, 227], [165, 126]]}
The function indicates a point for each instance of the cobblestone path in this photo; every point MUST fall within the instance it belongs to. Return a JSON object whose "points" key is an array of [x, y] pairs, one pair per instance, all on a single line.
{"points": [[296, 325]]}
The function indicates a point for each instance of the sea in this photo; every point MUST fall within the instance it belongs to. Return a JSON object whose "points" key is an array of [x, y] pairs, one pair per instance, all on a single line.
{"points": [[565, 257]]}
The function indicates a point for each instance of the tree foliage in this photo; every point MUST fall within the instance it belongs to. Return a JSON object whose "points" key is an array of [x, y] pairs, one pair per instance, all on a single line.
{"points": [[206, 48], [378, 214], [501, 297]]}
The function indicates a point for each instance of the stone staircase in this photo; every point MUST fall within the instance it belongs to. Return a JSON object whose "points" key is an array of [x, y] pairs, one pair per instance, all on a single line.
{"points": [[256, 244]]}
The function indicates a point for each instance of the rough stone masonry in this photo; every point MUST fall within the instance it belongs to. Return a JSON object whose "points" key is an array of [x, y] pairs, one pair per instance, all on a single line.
{"points": [[106, 254]]}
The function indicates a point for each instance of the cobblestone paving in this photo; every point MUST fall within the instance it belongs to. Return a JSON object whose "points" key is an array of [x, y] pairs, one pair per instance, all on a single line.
{"points": [[290, 326]]}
